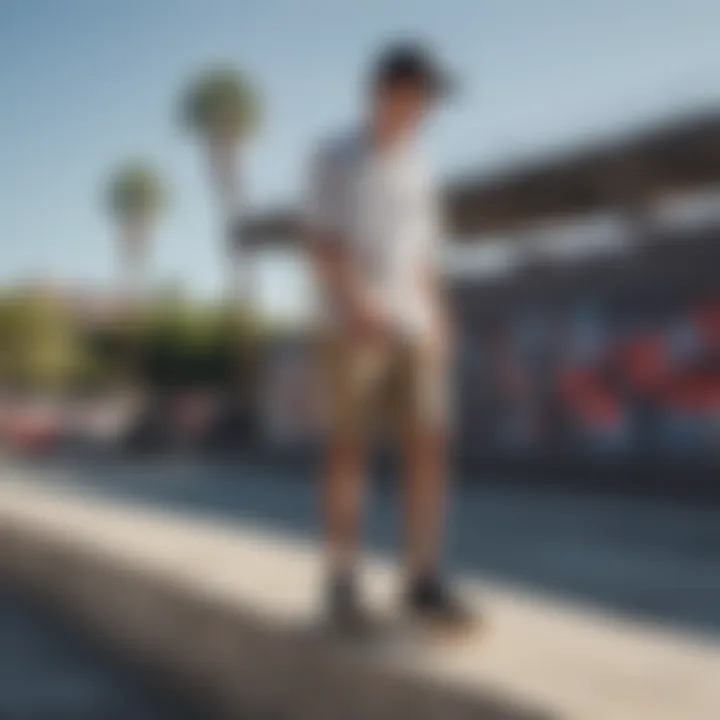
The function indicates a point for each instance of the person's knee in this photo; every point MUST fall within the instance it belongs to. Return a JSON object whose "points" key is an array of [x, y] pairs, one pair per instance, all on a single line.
{"points": [[344, 449], [424, 441]]}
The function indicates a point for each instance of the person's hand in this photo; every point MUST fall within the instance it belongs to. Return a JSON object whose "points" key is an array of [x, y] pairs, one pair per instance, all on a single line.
{"points": [[442, 339], [369, 324]]}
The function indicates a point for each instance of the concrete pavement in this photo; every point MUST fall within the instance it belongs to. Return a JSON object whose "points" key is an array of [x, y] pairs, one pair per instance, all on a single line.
{"points": [[48, 672], [645, 559], [549, 656]]}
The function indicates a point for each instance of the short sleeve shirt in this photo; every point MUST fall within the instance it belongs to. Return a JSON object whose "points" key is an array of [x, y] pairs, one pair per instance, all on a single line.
{"points": [[385, 209]]}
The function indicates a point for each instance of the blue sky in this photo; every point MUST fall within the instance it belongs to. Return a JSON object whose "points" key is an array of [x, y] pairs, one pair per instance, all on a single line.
{"points": [[86, 83]]}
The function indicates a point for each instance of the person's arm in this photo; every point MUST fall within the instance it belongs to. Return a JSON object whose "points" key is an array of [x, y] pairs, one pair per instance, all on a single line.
{"points": [[328, 248], [442, 333], [336, 272]]}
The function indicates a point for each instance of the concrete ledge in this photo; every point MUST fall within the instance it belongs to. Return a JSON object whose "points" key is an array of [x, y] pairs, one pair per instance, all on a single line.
{"points": [[225, 660], [230, 660], [227, 614]]}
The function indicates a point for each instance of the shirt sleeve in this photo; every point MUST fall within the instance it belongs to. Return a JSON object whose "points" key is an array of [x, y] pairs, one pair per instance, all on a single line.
{"points": [[323, 196]]}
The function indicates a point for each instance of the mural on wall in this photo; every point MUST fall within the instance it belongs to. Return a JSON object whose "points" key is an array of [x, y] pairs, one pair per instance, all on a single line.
{"points": [[593, 378]]}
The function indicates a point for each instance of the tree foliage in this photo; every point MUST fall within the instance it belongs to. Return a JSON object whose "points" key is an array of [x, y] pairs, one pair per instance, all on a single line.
{"points": [[38, 342], [135, 191], [221, 104], [45, 345]]}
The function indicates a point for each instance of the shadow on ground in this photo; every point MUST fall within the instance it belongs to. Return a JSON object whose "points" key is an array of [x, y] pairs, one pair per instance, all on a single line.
{"points": [[636, 557], [49, 672]]}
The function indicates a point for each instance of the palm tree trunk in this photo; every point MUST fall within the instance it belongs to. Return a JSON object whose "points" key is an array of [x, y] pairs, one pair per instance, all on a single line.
{"points": [[134, 246], [223, 162], [134, 250], [238, 283]]}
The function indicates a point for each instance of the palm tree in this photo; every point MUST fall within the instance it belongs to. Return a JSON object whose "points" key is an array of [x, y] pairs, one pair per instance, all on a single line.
{"points": [[135, 195], [223, 107]]}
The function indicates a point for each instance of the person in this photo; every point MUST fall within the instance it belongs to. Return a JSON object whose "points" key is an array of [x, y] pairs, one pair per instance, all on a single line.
{"points": [[373, 222]]}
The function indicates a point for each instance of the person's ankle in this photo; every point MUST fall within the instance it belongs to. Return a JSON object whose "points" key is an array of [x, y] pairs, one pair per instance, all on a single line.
{"points": [[421, 587], [341, 584], [341, 575], [345, 605], [423, 577]]}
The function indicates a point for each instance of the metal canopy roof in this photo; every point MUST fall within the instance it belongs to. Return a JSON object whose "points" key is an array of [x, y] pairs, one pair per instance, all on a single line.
{"points": [[669, 157]]}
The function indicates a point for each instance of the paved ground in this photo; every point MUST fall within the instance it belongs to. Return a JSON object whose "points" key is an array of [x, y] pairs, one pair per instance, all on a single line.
{"points": [[637, 558], [49, 673], [546, 655]]}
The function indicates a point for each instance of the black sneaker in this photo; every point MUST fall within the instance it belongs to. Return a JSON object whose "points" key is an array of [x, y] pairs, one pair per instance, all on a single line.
{"points": [[345, 611], [431, 601]]}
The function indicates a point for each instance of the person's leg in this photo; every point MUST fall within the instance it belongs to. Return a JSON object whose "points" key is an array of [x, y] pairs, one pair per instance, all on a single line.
{"points": [[423, 417], [342, 500], [425, 448], [342, 503], [351, 373]]}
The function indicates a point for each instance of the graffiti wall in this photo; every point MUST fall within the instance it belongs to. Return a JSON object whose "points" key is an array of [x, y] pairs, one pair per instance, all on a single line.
{"points": [[621, 365]]}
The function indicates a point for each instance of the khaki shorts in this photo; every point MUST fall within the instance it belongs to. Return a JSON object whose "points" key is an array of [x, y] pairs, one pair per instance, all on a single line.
{"points": [[398, 385]]}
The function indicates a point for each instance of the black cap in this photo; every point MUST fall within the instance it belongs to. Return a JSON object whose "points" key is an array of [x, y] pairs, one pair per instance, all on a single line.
{"points": [[412, 63]]}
